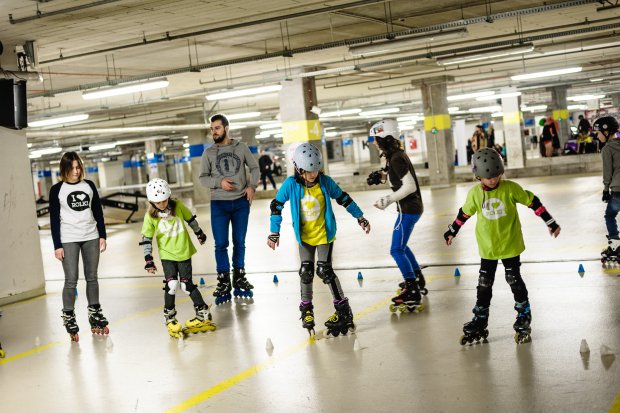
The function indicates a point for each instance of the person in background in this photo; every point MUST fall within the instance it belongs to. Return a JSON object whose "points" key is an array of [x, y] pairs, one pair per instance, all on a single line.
{"points": [[265, 165]]}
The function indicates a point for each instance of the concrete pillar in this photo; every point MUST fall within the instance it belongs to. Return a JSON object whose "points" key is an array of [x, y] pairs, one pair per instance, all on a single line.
{"points": [[111, 174], [438, 131], [513, 130], [460, 138], [92, 173], [127, 175], [560, 112], [349, 149], [156, 167], [615, 98], [198, 141], [299, 124], [20, 246], [43, 179], [248, 135]]}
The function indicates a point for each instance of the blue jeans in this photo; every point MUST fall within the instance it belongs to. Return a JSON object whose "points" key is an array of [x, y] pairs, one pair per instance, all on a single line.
{"points": [[613, 207], [401, 253], [223, 213]]}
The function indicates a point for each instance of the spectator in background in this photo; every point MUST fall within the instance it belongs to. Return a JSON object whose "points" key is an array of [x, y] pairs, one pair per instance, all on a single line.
{"points": [[491, 137], [584, 137], [478, 139], [548, 134], [265, 164]]}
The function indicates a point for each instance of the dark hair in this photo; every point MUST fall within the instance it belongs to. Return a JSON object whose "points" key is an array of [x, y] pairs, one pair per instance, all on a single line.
{"points": [[221, 118], [171, 206], [66, 164], [388, 145], [300, 179]]}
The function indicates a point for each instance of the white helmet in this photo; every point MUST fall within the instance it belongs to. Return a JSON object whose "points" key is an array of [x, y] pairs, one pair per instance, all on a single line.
{"points": [[157, 190], [384, 128], [308, 158]]}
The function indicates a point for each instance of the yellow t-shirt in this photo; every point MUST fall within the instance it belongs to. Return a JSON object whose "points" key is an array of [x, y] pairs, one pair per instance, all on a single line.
{"points": [[312, 211]]}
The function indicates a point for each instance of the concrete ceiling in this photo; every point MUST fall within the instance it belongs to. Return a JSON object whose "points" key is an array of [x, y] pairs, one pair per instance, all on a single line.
{"points": [[207, 46]]}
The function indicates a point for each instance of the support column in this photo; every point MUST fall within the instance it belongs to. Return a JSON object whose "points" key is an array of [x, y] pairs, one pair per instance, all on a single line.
{"points": [[615, 98], [513, 130], [155, 160], [111, 174], [438, 131], [299, 124], [198, 141], [248, 135], [460, 137], [559, 106]]}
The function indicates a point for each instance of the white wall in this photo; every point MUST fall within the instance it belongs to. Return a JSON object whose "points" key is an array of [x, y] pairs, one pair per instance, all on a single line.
{"points": [[20, 248], [111, 174]]}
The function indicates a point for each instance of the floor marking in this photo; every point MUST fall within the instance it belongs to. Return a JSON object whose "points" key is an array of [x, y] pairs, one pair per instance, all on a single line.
{"points": [[30, 352], [615, 408], [257, 368]]}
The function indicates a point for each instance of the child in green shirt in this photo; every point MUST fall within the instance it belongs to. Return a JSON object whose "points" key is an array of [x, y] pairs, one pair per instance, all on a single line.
{"points": [[499, 237], [164, 221]]}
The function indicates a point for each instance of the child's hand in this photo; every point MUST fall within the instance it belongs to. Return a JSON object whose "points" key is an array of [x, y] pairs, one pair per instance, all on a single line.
{"points": [[202, 237], [363, 222], [556, 232], [150, 264], [273, 240], [448, 237]]}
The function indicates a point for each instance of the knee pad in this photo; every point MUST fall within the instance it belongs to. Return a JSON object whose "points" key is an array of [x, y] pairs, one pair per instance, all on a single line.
{"points": [[485, 280], [325, 272], [171, 285], [187, 286], [512, 276], [306, 272]]}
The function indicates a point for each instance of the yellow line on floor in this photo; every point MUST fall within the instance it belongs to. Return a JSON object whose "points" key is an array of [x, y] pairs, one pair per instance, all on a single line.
{"points": [[246, 374], [615, 408], [30, 352]]}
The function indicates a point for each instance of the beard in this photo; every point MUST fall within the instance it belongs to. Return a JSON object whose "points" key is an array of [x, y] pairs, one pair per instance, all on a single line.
{"points": [[219, 139]]}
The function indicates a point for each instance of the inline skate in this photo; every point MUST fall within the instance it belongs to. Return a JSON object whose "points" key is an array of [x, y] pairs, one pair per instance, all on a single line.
{"points": [[98, 323], [421, 283], [476, 329], [408, 299], [68, 320], [222, 291], [522, 325], [610, 257], [307, 316], [2, 354], [241, 285], [341, 322], [200, 323], [174, 328]]}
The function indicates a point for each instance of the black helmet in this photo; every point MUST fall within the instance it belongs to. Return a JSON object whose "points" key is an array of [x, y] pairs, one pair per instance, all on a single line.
{"points": [[607, 124], [487, 163]]}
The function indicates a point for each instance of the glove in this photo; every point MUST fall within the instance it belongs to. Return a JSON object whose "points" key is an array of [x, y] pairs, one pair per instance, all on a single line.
{"points": [[202, 237], [606, 196], [363, 222], [384, 202], [149, 263], [452, 231]]}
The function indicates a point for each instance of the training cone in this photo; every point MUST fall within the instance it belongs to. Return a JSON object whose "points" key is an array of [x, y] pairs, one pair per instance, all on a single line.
{"points": [[269, 345], [275, 278], [581, 270], [359, 276], [584, 348], [457, 273], [202, 281], [606, 351]]}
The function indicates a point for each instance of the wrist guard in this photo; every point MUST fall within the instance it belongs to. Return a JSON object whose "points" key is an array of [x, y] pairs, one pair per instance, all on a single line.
{"points": [[275, 237], [149, 262], [454, 227]]}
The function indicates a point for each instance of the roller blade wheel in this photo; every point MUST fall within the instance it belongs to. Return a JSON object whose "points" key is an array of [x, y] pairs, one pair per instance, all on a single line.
{"points": [[404, 308], [338, 331], [101, 331], [203, 329], [177, 335], [522, 337], [222, 299], [243, 293], [74, 337], [311, 332], [477, 337]]}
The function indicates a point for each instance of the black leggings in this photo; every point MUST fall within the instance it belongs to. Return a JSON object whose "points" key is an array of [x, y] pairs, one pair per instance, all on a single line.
{"points": [[513, 277], [180, 270]]}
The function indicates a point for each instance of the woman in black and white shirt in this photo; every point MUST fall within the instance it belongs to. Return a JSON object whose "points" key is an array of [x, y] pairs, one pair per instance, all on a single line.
{"points": [[405, 193], [77, 225]]}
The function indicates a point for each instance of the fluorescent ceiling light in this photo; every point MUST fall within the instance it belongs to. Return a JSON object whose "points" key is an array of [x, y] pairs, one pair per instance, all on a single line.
{"points": [[548, 73], [58, 121], [485, 54], [246, 115], [485, 109], [534, 108], [278, 135], [186, 145], [385, 111], [405, 119], [342, 112], [102, 147], [581, 98], [331, 134], [497, 114], [405, 43], [327, 71], [598, 79], [245, 92], [352, 131], [46, 151], [452, 109], [125, 90], [236, 126], [472, 95], [498, 96], [577, 107], [275, 125], [34, 156]]}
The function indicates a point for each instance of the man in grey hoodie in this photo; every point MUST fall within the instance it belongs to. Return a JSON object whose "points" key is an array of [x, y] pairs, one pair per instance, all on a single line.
{"points": [[223, 172], [606, 128]]}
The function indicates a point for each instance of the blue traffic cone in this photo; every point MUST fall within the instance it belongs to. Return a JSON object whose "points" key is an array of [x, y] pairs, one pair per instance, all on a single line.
{"points": [[202, 281], [581, 270], [359, 276], [457, 273], [275, 278]]}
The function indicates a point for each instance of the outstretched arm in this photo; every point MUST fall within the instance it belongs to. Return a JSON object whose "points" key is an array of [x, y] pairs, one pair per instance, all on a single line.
{"points": [[541, 211], [455, 227]]}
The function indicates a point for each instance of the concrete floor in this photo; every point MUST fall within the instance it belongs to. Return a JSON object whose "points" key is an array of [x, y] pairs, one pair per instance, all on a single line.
{"points": [[411, 362]]}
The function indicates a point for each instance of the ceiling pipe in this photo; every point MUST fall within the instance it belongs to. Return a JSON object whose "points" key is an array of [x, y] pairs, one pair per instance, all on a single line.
{"points": [[41, 15], [31, 76], [108, 131]]}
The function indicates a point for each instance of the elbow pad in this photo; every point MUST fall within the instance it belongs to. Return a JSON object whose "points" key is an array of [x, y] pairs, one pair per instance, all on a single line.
{"points": [[276, 207], [344, 199]]}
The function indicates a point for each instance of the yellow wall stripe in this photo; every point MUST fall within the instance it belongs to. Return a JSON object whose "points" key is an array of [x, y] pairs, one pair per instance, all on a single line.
{"points": [[441, 122], [560, 114], [512, 118], [301, 131]]}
